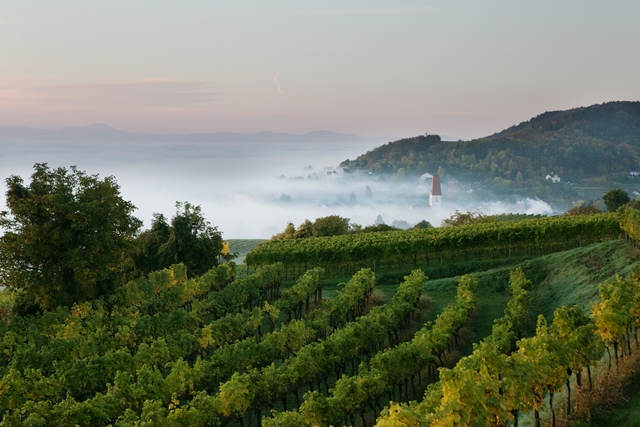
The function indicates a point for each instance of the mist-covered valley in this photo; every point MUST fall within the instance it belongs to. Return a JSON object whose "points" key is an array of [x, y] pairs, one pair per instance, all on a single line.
{"points": [[252, 187]]}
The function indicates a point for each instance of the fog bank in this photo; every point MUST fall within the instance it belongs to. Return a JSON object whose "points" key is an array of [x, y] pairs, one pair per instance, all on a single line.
{"points": [[251, 189]]}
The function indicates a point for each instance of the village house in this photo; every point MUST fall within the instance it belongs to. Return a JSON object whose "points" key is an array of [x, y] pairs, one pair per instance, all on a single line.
{"points": [[553, 177]]}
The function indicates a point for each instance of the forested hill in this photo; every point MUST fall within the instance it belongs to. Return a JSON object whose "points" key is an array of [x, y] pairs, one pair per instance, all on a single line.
{"points": [[614, 121], [597, 141]]}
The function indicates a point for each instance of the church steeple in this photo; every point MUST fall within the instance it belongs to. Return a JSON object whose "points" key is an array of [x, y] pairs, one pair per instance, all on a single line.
{"points": [[435, 195]]}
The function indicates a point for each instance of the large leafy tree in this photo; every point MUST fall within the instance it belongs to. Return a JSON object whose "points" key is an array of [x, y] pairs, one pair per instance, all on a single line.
{"points": [[65, 236], [615, 198], [189, 239], [332, 225]]}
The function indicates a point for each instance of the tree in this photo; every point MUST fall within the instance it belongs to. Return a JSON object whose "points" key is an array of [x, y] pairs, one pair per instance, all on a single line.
{"points": [[368, 193], [149, 255], [376, 228], [332, 225], [305, 230], [583, 209], [352, 199], [190, 239], [615, 198], [462, 218], [66, 236], [422, 224], [288, 233]]}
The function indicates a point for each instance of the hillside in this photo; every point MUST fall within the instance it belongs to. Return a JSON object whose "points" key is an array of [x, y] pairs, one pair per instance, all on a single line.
{"points": [[596, 144], [220, 350], [564, 278], [615, 121]]}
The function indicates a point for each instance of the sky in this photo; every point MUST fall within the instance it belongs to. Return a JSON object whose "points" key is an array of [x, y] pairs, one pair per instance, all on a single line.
{"points": [[462, 69]]}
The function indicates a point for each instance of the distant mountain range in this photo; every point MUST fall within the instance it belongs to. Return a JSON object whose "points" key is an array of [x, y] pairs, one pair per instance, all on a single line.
{"points": [[102, 132]]}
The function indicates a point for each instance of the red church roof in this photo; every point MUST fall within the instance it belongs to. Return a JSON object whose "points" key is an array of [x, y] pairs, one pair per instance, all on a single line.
{"points": [[435, 186]]}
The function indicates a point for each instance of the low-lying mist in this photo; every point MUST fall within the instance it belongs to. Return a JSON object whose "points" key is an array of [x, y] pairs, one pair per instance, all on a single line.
{"points": [[253, 189]]}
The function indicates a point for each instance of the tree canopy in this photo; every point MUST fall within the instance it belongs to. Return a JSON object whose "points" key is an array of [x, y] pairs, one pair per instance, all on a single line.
{"points": [[422, 224], [189, 239], [332, 225], [615, 198], [465, 218], [335, 225], [65, 236]]}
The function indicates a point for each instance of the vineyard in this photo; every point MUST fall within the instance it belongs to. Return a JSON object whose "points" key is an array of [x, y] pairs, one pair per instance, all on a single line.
{"points": [[399, 250], [218, 349]]}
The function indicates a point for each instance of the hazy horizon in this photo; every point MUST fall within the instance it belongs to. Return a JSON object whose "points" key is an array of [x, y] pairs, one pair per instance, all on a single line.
{"points": [[248, 189]]}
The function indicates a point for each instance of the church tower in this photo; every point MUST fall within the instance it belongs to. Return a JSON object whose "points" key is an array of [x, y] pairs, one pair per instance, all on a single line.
{"points": [[435, 195]]}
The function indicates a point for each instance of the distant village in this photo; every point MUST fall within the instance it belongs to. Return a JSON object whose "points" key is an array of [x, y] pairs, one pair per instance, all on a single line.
{"points": [[430, 185]]}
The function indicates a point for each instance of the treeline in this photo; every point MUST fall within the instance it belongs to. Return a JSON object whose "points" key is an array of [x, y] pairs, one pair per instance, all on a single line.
{"points": [[335, 225]]}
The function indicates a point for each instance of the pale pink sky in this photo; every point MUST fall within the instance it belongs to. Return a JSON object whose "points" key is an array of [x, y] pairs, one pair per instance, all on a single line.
{"points": [[463, 69]]}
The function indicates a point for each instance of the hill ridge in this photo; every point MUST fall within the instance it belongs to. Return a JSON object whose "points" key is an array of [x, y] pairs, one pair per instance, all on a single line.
{"points": [[597, 144]]}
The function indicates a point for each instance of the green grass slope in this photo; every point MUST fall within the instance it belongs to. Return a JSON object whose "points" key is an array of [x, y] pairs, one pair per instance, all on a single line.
{"points": [[242, 247], [565, 278]]}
